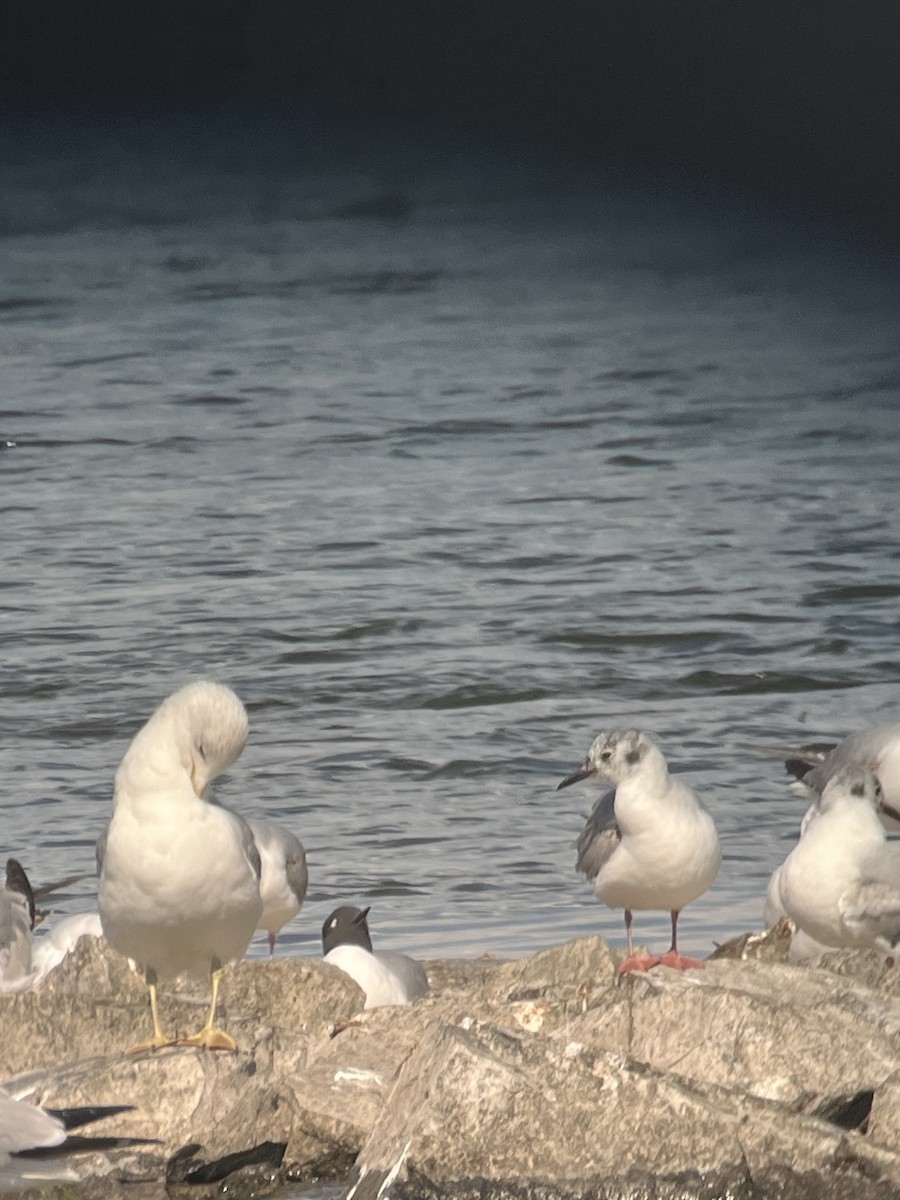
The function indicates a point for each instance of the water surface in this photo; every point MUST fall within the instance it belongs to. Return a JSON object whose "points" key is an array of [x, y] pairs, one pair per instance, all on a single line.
{"points": [[445, 459]]}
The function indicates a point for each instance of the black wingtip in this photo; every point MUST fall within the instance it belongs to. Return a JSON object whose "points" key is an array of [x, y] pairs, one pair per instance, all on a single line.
{"points": [[798, 767], [80, 1144], [74, 1118], [17, 881]]}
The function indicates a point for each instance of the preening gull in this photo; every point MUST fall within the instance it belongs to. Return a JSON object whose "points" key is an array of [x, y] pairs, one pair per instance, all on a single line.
{"points": [[386, 977], [841, 882], [284, 878], [179, 875], [16, 925], [649, 843], [877, 748]]}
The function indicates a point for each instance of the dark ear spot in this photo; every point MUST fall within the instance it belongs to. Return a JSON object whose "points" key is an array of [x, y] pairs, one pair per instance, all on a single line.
{"points": [[857, 790], [634, 755]]}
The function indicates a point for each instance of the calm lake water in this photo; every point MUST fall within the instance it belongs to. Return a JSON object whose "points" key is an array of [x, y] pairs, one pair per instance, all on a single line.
{"points": [[445, 458]]}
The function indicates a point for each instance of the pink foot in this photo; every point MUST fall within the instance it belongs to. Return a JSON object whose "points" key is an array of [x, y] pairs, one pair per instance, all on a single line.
{"points": [[680, 962], [639, 962]]}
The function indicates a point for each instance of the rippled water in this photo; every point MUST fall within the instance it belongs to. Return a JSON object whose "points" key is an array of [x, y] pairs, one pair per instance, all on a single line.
{"points": [[445, 459]]}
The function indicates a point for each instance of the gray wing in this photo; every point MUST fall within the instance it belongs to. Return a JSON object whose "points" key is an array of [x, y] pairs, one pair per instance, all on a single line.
{"points": [[859, 749], [296, 871], [599, 838], [284, 845], [100, 849], [875, 909], [15, 937], [409, 973], [248, 842], [7, 927], [250, 847], [874, 906]]}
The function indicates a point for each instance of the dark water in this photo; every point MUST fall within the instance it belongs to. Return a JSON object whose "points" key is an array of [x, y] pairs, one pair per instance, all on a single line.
{"points": [[445, 459]]}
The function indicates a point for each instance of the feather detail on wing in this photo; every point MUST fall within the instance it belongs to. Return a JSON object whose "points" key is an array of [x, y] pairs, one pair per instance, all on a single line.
{"points": [[874, 910], [599, 838]]}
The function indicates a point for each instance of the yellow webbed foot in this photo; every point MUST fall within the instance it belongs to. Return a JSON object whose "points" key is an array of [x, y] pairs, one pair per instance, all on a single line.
{"points": [[210, 1038]]}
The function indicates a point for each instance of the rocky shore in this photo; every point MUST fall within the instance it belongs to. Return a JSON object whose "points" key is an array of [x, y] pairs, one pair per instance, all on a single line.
{"points": [[549, 1076]]}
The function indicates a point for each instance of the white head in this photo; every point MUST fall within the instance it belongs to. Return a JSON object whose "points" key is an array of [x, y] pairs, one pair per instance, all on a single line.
{"points": [[616, 755], [200, 729]]}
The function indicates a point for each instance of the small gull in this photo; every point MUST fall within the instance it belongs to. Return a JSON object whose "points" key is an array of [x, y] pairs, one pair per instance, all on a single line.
{"points": [[385, 976], [841, 882], [877, 748], [649, 843], [179, 875], [16, 925], [284, 878]]}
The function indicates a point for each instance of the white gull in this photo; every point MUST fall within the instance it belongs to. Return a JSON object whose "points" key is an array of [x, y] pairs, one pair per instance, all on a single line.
{"points": [[649, 843], [841, 882], [385, 976], [179, 875]]}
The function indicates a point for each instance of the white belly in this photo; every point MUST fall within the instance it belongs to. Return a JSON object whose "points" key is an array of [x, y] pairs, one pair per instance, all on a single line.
{"points": [[177, 893], [665, 868]]}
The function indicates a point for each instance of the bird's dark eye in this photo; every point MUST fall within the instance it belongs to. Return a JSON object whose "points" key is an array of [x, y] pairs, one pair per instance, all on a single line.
{"points": [[606, 755], [857, 790]]}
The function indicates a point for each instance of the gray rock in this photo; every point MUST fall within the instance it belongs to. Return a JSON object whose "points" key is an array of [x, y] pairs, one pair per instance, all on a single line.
{"points": [[549, 1072], [92, 1007], [520, 1109], [798, 1035], [448, 974], [93, 1003]]}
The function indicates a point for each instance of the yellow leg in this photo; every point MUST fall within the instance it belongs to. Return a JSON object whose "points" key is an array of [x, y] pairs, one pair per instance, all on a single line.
{"points": [[159, 1039], [209, 1036]]}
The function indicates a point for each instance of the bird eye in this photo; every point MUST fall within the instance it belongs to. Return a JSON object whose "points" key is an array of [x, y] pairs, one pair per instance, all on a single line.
{"points": [[606, 755], [857, 790]]}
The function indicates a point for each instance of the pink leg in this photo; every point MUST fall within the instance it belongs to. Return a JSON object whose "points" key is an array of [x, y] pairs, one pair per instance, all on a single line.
{"points": [[635, 962], [680, 962]]}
